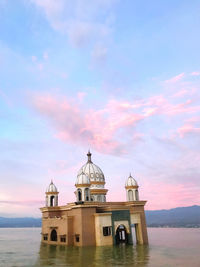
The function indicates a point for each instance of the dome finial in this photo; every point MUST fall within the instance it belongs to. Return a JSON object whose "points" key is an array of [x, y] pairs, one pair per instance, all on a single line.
{"points": [[51, 181], [89, 156]]}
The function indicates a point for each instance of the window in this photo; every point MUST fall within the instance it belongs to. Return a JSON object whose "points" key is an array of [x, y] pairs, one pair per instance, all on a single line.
{"points": [[130, 195], [86, 194], [45, 237], [63, 238], [107, 230], [79, 195], [52, 201], [136, 195], [77, 238]]}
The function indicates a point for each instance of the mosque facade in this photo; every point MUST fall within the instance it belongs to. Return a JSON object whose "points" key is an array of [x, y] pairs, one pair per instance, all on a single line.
{"points": [[91, 220]]}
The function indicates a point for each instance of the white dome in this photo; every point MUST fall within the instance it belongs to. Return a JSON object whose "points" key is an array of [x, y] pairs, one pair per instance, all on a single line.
{"points": [[92, 170], [131, 181], [52, 188], [82, 179]]}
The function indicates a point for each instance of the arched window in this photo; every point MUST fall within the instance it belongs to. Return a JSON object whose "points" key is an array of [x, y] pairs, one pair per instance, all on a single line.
{"points": [[136, 195], [52, 201], [86, 194], [53, 235], [79, 195], [130, 195], [99, 198]]}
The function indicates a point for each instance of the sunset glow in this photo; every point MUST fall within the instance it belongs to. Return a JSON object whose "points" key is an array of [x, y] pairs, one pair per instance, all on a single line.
{"points": [[121, 78]]}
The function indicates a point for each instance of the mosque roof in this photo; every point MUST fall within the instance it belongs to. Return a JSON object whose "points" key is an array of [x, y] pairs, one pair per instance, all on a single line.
{"points": [[91, 170], [82, 179], [51, 188], [131, 181]]}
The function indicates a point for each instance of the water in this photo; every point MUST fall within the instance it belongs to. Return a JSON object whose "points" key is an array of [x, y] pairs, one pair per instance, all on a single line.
{"points": [[167, 247]]}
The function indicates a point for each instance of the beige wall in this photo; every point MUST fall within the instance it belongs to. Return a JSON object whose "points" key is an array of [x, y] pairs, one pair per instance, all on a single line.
{"points": [[59, 224], [102, 220], [88, 220]]}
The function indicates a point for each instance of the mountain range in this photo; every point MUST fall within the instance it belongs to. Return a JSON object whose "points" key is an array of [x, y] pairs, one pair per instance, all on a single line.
{"points": [[178, 217]]}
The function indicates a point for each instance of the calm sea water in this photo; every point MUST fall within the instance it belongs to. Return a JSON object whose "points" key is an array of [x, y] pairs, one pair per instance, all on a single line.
{"points": [[167, 247]]}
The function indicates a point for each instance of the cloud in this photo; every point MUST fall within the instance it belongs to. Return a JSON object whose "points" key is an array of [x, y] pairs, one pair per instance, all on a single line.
{"points": [[23, 203], [82, 21], [98, 129], [5, 98], [170, 195], [81, 96], [176, 78], [99, 53], [109, 129], [188, 129], [195, 73], [181, 93]]}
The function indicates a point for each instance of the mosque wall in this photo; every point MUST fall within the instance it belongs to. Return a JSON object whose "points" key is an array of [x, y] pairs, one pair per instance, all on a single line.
{"points": [[121, 217], [103, 235]]}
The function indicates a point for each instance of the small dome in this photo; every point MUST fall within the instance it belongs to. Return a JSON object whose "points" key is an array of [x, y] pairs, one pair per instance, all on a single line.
{"points": [[82, 179], [52, 188], [92, 170], [131, 181]]}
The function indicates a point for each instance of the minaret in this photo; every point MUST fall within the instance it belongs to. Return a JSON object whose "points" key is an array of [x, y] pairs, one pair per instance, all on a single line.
{"points": [[52, 195], [83, 188], [131, 187]]}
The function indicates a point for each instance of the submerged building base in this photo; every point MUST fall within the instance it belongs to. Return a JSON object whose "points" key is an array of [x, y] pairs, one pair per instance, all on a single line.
{"points": [[95, 224]]}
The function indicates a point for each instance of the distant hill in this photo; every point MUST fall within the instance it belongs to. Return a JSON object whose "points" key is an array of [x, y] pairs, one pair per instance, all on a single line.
{"points": [[20, 222], [178, 217]]}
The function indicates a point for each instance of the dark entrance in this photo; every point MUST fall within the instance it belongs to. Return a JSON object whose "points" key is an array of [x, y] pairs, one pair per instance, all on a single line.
{"points": [[53, 235], [121, 234], [52, 201], [79, 195]]}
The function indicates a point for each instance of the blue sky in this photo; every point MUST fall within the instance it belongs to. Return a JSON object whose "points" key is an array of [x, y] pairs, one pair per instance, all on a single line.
{"points": [[119, 77]]}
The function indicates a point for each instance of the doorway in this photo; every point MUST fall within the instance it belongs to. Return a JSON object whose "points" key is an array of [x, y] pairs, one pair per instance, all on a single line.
{"points": [[121, 234], [53, 235]]}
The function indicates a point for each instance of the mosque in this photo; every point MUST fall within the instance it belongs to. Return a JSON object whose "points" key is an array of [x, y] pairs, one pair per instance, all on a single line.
{"points": [[91, 220]]}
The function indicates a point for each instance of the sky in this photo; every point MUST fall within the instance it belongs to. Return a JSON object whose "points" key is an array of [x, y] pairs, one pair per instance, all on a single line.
{"points": [[121, 78]]}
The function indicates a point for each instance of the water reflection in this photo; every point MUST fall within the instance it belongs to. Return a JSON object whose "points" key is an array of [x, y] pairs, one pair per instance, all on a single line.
{"points": [[52, 255]]}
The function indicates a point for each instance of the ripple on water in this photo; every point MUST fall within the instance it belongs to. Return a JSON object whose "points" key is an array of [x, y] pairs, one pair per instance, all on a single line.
{"points": [[168, 247]]}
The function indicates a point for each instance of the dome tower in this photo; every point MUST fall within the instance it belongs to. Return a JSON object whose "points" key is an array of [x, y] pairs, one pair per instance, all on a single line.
{"points": [[51, 195], [83, 187], [97, 180], [131, 187]]}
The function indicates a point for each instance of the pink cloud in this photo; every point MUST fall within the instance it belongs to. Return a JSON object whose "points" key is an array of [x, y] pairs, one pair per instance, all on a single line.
{"points": [[181, 93], [188, 129], [175, 78], [195, 73], [170, 195], [23, 203], [81, 96], [105, 129], [92, 128], [161, 105]]}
